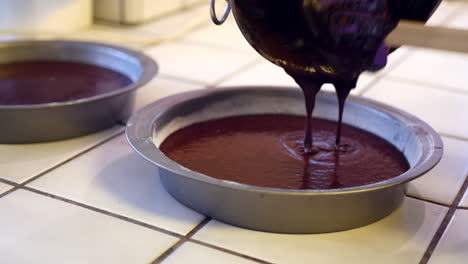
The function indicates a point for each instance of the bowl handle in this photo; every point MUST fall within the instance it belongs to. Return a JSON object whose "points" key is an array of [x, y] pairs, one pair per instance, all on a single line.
{"points": [[215, 19]]}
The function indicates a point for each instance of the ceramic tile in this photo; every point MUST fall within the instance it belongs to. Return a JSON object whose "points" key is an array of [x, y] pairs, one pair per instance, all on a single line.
{"points": [[113, 177], [179, 24], [198, 62], [401, 237], [464, 201], [38, 229], [453, 246], [444, 12], [417, 66], [227, 35], [268, 74], [262, 73], [189, 3], [194, 253], [460, 19], [435, 68], [18, 36], [440, 68], [4, 187], [9, 37], [443, 110], [135, 11], [444, 182], [117, 35], [450, 66], [393, 60], [20, 162], [161, 87]]}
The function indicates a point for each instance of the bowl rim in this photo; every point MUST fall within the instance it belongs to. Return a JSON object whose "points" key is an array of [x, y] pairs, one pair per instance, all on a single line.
{"points": [[148, 65], [139, 134]]}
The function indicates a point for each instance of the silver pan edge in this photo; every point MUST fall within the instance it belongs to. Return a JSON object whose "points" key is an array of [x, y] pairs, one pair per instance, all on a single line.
{"points": [[62, 120], [278, 210]]}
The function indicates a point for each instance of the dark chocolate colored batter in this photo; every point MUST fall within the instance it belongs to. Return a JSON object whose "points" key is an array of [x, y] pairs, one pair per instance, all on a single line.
{"points": [[316, 42], [39, 82], [325, 41], [266, 150]]}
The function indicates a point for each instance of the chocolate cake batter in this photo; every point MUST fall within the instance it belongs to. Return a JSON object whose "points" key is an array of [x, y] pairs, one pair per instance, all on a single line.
{"points": [[266, 150], [325, 41], [39, 82], [316, 42]]}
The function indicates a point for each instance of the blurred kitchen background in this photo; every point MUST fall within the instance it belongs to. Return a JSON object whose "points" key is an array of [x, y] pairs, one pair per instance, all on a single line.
{"points": [[99, 20]]}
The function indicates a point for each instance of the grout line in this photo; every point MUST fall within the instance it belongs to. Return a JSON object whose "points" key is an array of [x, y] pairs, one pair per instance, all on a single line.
{"points": [[158, 18], [5, 181], [9, 191], [179, 243], [444, 22], [198, 227], [428, 201], [121, 11], [370, 85], [122, 7], [220, 46], [229, 251], [20, 185], [23, 184], [181, 78], [437, 236], [12, 184], [388, 70], [445, 223], [70, 159], [452, 136], [102, 211]]}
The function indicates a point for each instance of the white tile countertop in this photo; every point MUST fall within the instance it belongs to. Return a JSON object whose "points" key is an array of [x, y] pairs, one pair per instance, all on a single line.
{"points": [[94, 200]]}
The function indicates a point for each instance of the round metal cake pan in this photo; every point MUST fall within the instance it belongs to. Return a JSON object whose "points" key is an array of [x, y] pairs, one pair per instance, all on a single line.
{"points": [[280, 210], [61, 120]]}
